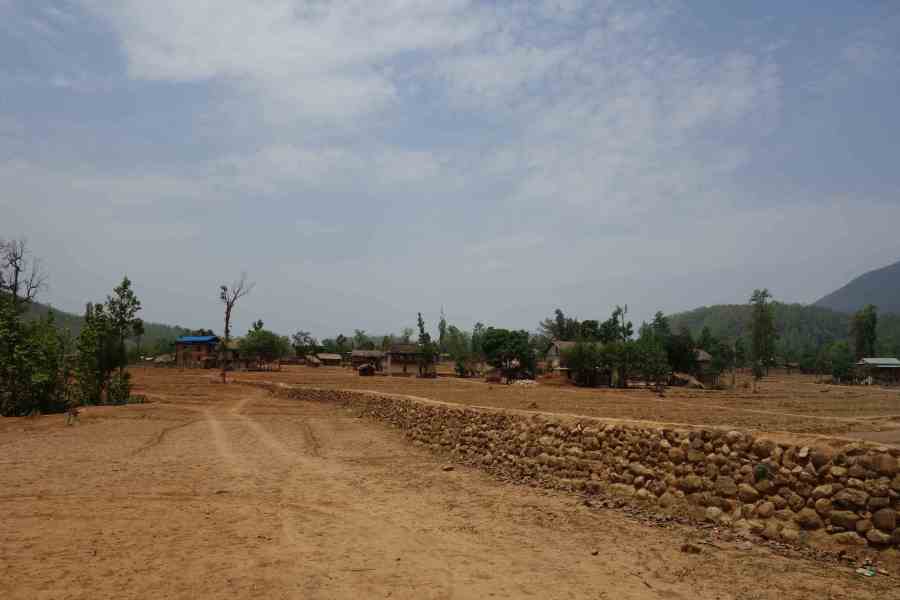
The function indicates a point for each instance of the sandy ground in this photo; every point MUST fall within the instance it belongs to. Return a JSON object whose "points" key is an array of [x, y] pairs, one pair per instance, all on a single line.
{"points": [[215, 491]]}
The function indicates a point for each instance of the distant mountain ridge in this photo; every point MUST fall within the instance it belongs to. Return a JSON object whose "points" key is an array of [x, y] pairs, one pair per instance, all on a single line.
{"points": [[153, 332], [880, 287]]}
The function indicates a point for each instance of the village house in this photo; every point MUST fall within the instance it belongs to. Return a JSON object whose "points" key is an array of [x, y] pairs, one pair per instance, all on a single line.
{"points": [[401, 356], [359, 358], [330, 359], [195, 351], [706, 373], [880, 370]]}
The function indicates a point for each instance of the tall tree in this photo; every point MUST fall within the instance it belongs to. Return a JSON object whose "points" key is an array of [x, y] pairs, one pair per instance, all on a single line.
{"points": [[122, 308], [762, 341], [229, 295], [428, 351], [863, 331], [304, 343], [442, 331]]}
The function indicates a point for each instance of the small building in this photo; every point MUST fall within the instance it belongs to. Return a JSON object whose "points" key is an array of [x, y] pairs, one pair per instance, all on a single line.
{"points": [[880, 370], [706, 373], [193, 351], [555, 353], [359, 358], [329, 359], [401, 356]]}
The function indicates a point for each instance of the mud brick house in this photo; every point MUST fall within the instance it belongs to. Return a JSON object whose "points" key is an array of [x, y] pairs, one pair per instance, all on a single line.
{"points": [[194, 351]]}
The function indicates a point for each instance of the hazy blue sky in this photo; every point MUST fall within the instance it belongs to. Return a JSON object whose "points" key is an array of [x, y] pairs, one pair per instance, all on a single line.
{"points": [[365, 160]]}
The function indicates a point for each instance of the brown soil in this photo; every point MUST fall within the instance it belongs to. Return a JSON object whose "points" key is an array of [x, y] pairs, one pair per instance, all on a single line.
{"points": [[214, 491], [786, 403]]}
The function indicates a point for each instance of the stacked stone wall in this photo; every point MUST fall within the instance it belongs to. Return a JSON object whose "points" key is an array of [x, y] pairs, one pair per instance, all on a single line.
{"points": [[846, 492]]}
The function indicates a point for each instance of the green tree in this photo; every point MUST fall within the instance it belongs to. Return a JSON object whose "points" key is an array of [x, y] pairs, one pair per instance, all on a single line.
{"points": [[863, 331], [584, 363], [428, 351], [442, 331], [841, 359], [653, 360], [707, 341], [762, 347], [303, 343], [122, 308], [361, 341], [459, 346], [264, 344], [509, 351]]}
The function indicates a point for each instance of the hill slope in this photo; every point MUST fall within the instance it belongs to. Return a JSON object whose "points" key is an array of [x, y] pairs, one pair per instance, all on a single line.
{"points": [[153, 332], [880, 287]]}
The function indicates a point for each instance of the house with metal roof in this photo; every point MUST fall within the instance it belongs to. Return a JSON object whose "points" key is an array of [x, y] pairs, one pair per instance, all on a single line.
{"points": [[359, 358], [194, 351], [881, 370]]}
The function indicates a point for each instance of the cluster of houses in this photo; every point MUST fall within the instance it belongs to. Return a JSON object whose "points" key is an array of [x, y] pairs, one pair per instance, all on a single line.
{"points": [[205, 351]]}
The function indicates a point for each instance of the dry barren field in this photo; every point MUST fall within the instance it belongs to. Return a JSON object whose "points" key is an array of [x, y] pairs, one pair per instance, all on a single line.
{"points": [[787, 403], [222, 491]]}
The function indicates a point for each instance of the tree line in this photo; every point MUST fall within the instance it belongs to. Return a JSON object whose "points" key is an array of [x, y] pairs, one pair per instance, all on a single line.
{"points": [[44, 368]]}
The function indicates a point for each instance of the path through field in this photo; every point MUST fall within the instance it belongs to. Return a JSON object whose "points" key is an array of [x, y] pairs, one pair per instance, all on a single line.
{"points": [[220, 491]]}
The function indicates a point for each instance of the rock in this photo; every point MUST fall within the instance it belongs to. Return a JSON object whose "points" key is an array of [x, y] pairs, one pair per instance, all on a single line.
{"points": [[848, 538], [885, 464], [844, 519], [713, 514], [763, 486], [895, 484], [879, 538], [448, 468], [863, 526], [772, 530], [850, 498], [821, 456], [876, 502], [691, 483], [823, 506], [803, 452], [765, 510], [838, 472], [667, 500], [763, 448], [726, 486], [790, 535], [885, 519], [779, 502], [644, 494], [823, 491], [623, 489], [809, 519], [747, 493], [676, 455]]}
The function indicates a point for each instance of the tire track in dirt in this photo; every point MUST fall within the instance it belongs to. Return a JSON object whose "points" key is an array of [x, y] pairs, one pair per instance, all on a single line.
{"points": [[159, 437]]}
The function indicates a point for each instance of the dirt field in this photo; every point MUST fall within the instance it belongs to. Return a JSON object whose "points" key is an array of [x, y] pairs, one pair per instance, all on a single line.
{"points": [[794, 403], [214, 491]]}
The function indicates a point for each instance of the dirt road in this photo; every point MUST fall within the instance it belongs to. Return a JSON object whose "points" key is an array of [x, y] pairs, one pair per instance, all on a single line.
{"points": [[219, 491]]}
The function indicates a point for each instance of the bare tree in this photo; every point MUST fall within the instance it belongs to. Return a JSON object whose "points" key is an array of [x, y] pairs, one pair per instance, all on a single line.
{"points": [[229, 295], [20, 274]]}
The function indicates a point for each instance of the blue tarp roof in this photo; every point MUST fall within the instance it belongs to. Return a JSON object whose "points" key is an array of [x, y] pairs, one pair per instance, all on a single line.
{"points": [[197, 339]]}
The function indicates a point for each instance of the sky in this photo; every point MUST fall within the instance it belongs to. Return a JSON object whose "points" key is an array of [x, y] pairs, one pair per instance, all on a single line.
{"points": [[364, 161]]}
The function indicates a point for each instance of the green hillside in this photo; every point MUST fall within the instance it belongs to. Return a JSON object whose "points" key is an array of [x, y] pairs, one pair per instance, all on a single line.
{"points": [[154, 333], [800, 327], [880, 287]]}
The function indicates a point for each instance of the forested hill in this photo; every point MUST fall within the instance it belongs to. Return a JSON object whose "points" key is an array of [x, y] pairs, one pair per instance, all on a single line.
{"points": [[880, 287], [800, 327], [153, 332]]}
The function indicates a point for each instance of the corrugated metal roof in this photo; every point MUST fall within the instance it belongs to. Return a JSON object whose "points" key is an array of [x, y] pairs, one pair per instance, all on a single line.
{"points": [[702, 355], [885, 362], [197, 339], [328, 356]]}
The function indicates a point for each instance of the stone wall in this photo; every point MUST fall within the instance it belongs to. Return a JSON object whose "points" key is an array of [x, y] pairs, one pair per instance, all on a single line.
{"points": [[845, 492]]}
